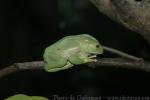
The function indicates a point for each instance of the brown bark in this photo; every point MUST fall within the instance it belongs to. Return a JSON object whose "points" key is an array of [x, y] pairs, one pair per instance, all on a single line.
{"points": [[117, 62], [133, 14]]}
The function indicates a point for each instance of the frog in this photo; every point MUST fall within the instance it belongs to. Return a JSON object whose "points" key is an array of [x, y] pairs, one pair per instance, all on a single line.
{"points": [[70, 51]]}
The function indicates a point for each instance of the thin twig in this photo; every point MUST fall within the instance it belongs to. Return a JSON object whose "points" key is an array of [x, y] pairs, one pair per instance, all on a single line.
{"points": [[117, 62], [120, 53]]}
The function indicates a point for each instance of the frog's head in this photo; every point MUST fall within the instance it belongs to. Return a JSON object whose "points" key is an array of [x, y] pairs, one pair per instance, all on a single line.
{"points": [[91, 46], [93, 49]]}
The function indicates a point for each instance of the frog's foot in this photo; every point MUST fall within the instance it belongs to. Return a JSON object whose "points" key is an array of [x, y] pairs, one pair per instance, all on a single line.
{"points": [[92, 57], [92, 60]]}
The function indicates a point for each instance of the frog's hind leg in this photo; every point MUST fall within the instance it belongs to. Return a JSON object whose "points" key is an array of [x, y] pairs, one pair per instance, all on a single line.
{"points": [[54, 61]]}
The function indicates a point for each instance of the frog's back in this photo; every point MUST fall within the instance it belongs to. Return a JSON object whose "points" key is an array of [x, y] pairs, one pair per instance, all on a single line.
{"points": [[72, 41], [69, 42], [63, 44]]}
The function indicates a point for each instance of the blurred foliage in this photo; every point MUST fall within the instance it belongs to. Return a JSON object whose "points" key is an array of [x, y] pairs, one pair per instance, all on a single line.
{"points": [[25, 97]]}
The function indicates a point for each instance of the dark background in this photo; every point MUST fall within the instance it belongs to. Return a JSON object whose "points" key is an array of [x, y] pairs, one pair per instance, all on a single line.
{"points": [[29, 26]]}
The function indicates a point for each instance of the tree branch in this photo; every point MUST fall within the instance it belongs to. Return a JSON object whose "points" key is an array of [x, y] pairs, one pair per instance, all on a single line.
{"points": [[122, 63], [20, 67], [133, 14], [117, 62]]}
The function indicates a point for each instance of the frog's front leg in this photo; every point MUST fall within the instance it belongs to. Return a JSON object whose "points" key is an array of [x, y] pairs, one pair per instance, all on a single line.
{"points": [[81, 58]]}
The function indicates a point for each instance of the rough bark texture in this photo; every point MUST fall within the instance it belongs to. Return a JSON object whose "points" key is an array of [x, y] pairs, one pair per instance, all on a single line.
{"points": [[117, 62], [134, 14]]}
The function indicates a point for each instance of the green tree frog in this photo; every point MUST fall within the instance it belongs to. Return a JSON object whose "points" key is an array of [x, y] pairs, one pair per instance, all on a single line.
{"points": [[25, 97], [70, 51]]}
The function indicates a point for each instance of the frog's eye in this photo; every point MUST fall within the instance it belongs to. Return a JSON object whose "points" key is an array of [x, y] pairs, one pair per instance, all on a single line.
{"points": [[97, 46]]}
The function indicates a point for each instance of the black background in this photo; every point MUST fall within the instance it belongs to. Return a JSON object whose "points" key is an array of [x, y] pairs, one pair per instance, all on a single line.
{"points": [[29, 26]]}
